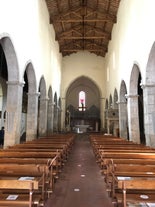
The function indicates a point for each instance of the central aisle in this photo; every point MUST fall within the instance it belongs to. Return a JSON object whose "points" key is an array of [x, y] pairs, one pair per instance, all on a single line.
{"points": [[80, 183]]}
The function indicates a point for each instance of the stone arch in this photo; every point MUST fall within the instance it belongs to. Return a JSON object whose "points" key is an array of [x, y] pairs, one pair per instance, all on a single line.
{"points": [[30, 103], [42, 119], [123, 92], [84, 78], [123, 115], [90, 114], [149, 100], [11, 59], [136, 130], [14, 94], [50, 112], [115, 98], [55, 118]]}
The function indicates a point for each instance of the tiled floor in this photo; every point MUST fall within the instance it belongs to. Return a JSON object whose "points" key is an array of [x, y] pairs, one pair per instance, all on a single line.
{"points": [[80, 183]]}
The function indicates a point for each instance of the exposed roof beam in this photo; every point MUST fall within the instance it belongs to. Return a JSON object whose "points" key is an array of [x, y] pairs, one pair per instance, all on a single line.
{"points": [[82, 37], [69, 32], [76, 50], [87, 47], [106, 19], [90, 13]]}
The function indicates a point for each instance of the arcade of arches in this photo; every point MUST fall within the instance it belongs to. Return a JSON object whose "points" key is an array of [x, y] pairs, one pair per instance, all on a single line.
{"points": [[33, 103]]}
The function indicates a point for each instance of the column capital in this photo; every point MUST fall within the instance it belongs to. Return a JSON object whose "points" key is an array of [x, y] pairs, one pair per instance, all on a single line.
{"points": [[18, 83], [148, 85], [44, 99], [131, 96], [34, 94], [122, 102]]}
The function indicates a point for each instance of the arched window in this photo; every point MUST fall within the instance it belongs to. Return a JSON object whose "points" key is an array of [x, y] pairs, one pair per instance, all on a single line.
{"points": [[82, 101]]}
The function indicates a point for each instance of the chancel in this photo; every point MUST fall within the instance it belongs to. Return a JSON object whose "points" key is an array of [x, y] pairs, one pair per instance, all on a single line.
{"points": [[82, 127]]}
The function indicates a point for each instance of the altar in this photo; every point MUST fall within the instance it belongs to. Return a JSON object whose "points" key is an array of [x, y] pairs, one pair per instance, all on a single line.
{"points": [[81, 128]]}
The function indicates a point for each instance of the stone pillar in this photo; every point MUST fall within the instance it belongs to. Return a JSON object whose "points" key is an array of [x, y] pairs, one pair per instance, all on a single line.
{"points": [[63, 110], [13, 113], [43, 117], [32, 116], [55, 119], [59, 119], [108, 126], [123, 120], [133, 118], [102, 114], [50, 117], [149, 113]]}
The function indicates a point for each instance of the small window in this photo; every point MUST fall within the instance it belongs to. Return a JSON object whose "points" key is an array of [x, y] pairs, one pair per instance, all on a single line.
{"points": [[82, 101]]}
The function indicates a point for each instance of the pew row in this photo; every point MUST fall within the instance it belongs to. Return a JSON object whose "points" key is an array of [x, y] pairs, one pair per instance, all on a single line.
{"points": [[137, 191], [33, 160], [20, 193], [123, 161]]}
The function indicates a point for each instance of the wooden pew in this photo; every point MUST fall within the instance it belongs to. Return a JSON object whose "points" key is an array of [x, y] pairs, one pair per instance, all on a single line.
{"points": [[122, 159], [36, 172], [106, 162], [60, 158], [101, 153], [25, 159], [61, 148], [27, 195], [25, 165], [107, 158], [128, 155], [135, 190], [125, 171]]}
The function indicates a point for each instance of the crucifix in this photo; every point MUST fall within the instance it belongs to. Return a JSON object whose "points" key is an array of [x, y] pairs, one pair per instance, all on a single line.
{"points": [[82, 107]]}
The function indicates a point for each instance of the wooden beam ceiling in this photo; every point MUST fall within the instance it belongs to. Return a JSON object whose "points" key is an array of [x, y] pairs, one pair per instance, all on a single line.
{"points": [[83, 24]]}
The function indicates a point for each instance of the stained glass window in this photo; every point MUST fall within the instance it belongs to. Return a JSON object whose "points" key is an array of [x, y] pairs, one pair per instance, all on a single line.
{"points": [[82, 101]]}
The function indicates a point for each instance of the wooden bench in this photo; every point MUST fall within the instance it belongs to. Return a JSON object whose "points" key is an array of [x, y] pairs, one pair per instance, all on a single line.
{"points": [[122, 171], [62, 149], [128, 155], [125, 166], [38, 159], [23, 193], [31, 167], [101, 153], [17, 171], [135, 191]]}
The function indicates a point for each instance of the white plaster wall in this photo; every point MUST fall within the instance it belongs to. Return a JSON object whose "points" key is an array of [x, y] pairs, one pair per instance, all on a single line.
{"points": [[132, 38], [83, 64], [26, 22]]}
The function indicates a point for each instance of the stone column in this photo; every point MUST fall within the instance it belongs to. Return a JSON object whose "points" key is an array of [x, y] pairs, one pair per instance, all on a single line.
{"points": [[13, 113], [63, 110], [149, 113], [59, 119], [108, 125], [102, 114], [50, 117], [133, 118], [55, 119], [43, 117], [32, 116], [123, 119]]}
